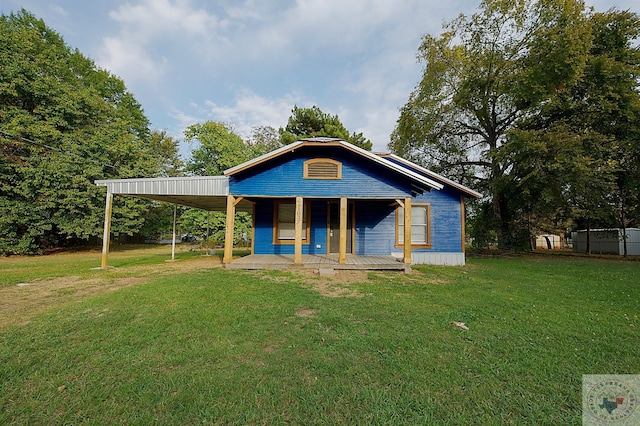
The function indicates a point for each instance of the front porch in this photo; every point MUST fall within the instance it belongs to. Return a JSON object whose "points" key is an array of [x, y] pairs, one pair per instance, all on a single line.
{"points": [[309, 261]]}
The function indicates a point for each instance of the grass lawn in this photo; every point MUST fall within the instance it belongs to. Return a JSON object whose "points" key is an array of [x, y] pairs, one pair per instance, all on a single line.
{"points": [[201, 344]]}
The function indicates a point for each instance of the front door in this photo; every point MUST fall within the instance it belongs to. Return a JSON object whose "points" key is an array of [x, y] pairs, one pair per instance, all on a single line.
{"points": [[334, 227]]}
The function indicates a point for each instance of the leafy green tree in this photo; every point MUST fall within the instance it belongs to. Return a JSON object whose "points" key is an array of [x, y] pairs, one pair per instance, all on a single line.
{"points": [[612, 81], [484, 75], [197, 222], [166, 152], [65, 123], [264, 139], [218, 149], [599, 176], [312, 122]]}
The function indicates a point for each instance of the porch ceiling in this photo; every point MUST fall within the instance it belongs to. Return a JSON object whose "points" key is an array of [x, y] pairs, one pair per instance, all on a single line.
{"points": [[204, 202]]}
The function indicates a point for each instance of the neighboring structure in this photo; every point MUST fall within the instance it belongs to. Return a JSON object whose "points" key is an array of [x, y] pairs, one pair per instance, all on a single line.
{"points": [[607, 241], [549, 242], [325, 197]]}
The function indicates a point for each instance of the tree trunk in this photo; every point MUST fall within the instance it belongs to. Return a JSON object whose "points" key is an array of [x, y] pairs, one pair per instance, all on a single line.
{"points": [[502, 225], [623, 224]]}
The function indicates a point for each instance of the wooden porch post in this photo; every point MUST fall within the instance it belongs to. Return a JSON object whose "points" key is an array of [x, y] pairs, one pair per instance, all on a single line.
{"points": [[297, 256], [342, 256], [106, 236], [228, 233], [407, 231]]}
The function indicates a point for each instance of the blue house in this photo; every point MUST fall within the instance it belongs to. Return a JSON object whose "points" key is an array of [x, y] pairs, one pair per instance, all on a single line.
{"points": [[323, 201]]}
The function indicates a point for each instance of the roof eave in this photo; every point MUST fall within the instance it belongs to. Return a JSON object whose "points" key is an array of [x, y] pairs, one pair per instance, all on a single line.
{"points": [[435, 175], [263, 158]]}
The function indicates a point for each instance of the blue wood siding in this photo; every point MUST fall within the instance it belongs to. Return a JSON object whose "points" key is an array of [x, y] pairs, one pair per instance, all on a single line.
{"points": [[375, 226], [263, 232], [283, 177], [446, 220]]}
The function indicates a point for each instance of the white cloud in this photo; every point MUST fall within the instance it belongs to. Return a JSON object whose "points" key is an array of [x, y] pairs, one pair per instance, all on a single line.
{"points": [[251, 110], [156, 17], [129, 60], [149, 30]]}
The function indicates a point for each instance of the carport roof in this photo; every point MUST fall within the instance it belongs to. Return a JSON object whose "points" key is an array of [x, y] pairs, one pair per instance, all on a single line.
{"points": [[202, 192]]}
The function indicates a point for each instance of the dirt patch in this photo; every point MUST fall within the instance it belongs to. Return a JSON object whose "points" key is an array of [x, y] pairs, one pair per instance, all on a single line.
{"points": [[332, 289], [337, 285], [306, 313], [18, 303]]}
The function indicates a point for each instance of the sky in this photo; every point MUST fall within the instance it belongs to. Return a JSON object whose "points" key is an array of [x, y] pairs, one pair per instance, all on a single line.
{"points": [[248, 62]]}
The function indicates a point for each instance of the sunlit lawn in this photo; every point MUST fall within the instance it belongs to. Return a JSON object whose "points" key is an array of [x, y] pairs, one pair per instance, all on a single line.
{"points": [[221, 346]]}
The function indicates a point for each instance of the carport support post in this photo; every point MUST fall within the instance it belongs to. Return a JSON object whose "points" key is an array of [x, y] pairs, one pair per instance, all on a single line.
{"points": [[342, 255], [297, 250], [106, 236], [173, 241], [228, 233], [407, 231]]}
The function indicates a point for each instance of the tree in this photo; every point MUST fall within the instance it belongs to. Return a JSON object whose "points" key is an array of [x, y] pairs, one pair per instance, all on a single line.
{"points": [[482, 77], [264, 139], [65, 123], [312, 122], [601, 112], [219, 148], [165, 150], [612, 81]]}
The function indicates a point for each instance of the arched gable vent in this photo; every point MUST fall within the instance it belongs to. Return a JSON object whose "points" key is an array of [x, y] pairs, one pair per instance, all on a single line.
{"points": [[322, 168]]}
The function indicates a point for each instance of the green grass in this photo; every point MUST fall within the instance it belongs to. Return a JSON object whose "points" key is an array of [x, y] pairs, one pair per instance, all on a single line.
{"points": [[222, 347], [20, 269]]}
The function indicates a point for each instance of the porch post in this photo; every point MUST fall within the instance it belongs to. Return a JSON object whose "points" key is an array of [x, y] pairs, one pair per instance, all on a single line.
{"points": [[228, 233], [106, 235], [297, 257], [407, 231], [342, 256]]}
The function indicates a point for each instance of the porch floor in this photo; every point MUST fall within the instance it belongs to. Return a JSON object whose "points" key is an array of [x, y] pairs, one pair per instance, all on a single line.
{"points": [[310, 261]]}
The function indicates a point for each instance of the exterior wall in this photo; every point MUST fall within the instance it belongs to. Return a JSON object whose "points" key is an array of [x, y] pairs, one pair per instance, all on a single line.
{"points": [[263, 231], [283, 177], [446, 221], [375, 229], [607, 241]]}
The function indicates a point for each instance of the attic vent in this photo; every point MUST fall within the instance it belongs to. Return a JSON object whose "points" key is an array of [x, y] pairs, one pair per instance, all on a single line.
{"points": [[322, 168]]}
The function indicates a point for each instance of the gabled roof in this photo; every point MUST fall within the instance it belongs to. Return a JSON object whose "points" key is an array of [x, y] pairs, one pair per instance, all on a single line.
{"points": [[433, 175], [322, 141]]}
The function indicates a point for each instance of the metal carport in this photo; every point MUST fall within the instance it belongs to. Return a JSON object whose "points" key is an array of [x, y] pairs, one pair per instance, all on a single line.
{"points": [[203, 192]]}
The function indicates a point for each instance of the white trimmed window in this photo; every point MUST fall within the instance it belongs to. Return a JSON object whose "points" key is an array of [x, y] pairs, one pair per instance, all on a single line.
{"points": [[284, 221], [420, 232]]}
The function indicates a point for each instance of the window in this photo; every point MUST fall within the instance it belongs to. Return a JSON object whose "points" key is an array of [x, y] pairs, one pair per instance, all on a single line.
{"points": [[420, 235], [284, 220], [322, 168]]}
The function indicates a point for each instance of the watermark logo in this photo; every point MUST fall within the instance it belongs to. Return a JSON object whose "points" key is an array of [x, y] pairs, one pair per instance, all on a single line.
{"points": [[610, 399]]}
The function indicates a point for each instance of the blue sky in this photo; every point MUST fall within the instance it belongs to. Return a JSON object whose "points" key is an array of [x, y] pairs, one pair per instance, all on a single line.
{"points": [[248, 62]]}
